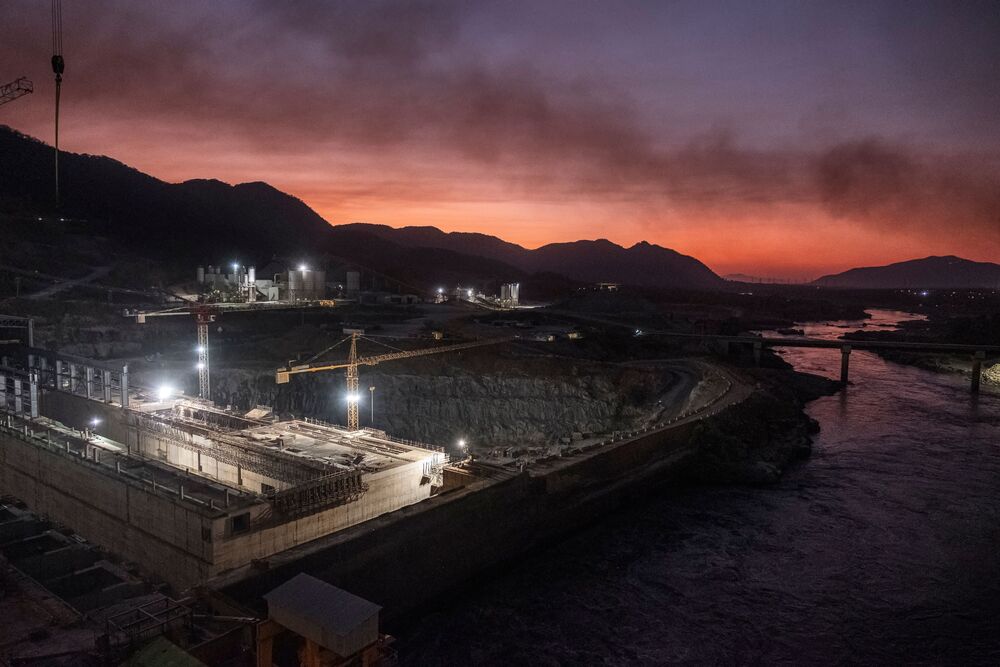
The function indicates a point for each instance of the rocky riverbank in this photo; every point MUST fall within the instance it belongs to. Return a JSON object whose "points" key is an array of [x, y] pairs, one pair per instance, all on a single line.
{"points": [[755, 441]]}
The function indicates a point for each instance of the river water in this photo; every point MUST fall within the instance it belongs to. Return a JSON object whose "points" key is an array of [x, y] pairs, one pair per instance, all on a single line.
{"points": [[882, 548]]}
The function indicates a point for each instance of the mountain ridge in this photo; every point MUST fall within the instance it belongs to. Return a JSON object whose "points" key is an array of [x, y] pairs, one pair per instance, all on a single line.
{"points": [[932, 272], [598, 260]]}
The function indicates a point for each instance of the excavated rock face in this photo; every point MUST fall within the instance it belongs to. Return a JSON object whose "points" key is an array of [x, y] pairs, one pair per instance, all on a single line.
{"points": [[490, 409], [992, 374]]}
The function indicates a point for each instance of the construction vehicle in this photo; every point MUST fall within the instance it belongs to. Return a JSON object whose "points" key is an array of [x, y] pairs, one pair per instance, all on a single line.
{"points": [[283, 375]]}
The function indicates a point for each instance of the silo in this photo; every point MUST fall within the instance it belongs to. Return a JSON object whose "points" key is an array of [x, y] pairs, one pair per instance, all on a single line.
{"points": [[294, 285], [353, 283], [308, 284], [201, 275], [319, 291]]}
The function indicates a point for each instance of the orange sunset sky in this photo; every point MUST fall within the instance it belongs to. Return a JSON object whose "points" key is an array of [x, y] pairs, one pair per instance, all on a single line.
{"points": [[777, 139]]}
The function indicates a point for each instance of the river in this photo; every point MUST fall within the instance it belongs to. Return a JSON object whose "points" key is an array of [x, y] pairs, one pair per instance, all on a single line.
{"points": [[882, 548]]}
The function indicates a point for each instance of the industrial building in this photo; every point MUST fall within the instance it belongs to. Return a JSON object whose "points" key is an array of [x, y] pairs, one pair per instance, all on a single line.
{"points": [[275, 283], [509, 295], [184, 489]]}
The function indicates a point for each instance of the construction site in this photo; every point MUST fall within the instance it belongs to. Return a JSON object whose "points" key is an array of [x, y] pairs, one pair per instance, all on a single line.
{"points": [[209, 463]]}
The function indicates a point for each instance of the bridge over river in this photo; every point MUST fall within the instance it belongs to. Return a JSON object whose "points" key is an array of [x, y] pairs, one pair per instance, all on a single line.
{"points": [[978, 352]]}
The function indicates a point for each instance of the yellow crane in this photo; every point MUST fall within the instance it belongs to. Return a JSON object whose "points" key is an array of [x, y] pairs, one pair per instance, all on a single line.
{"points": [[283, 375]]}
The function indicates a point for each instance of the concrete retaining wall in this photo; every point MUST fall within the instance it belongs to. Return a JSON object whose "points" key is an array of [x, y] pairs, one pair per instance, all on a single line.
{"points": [[155, 531], [405, 559]]}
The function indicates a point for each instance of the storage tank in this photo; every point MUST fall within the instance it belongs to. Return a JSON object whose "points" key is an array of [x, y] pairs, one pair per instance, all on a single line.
{"points": [[201, 275], [319, 291], [353, 282], [252, 284], [294, 285], [308, 284]]}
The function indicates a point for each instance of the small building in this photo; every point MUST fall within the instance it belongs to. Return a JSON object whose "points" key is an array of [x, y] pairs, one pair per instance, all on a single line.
{"points": [[329, 620]]}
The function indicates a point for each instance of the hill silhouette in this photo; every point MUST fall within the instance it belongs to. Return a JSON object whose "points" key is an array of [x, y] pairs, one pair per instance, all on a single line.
{"points": [[948, 272], [198, 220]]}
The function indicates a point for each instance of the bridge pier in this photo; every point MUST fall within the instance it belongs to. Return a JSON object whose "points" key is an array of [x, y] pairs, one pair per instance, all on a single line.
{"points": [[977, 369], [845, 363]]}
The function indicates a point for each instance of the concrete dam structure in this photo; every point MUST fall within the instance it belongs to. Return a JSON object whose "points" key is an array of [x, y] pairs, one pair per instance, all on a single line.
{"points": [[189, 491]]}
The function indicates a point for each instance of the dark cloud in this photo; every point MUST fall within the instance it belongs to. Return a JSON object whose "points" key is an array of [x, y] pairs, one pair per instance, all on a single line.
{"points": [[405, 79], [904, 191]]}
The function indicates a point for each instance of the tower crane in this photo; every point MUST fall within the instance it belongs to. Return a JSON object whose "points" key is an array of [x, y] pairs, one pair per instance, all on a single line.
{"points": [[283, 375], [58, 66], [204, 314], [15, 89]]}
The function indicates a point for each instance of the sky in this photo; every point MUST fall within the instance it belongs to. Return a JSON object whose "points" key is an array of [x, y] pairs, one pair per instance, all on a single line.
{"points": [[777, 139]]}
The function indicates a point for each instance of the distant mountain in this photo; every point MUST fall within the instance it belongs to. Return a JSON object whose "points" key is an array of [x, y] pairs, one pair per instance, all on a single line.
{"points": [[948, 272], [196, 219], [200, 220], [643, 264]]}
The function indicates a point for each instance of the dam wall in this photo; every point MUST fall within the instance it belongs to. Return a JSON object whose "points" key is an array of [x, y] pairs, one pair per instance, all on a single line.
{"points": [[406, 559]]}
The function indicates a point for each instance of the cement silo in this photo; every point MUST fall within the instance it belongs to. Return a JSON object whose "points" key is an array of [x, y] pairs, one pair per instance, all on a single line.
{"points": [[295, 285], [319, 285], [353, 283]]}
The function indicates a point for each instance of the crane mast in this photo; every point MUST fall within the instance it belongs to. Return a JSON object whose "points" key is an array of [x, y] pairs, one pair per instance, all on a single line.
{"points": [[352, 385]]}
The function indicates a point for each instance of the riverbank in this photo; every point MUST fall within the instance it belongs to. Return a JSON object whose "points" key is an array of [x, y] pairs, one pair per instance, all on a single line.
{"points": [[756, 441], [866, 554]]}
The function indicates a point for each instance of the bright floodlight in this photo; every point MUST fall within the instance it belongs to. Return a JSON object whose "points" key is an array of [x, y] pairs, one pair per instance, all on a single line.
{"points": [[303, 267], [470, 294], [200, 349], [353, 397], [164, 392], [95, 421], [461, 443], [440, 290], [236, 265], [200, 365]]}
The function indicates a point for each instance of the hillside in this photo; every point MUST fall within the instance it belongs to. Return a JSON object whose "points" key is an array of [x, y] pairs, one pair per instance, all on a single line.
{"points": [[643, 264], [194, 219], [204, 220], [948, 272]]}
